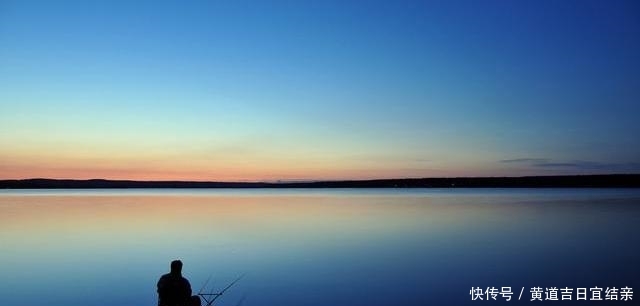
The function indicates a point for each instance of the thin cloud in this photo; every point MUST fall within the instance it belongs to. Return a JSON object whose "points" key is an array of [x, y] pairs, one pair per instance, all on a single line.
{"points": [[555, 165], [546, 163], [589, 165], [524, 160]]}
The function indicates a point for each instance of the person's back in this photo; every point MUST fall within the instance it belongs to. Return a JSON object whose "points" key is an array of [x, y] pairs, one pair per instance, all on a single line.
{"points": [[173, 289]]}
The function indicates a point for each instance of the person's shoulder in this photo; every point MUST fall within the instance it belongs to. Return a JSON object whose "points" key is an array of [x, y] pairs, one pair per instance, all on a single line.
{"points": [[184, 279]]}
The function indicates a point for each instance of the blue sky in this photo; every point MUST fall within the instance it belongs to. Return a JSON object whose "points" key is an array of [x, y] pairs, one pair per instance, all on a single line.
{"points": [[249, 90]]}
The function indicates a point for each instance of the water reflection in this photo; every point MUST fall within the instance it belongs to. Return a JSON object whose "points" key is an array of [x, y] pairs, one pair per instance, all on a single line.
{"points": [[313, 248]]}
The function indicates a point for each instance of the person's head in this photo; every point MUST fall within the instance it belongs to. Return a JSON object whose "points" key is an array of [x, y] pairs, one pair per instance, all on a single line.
{"points": [[176, 267]]}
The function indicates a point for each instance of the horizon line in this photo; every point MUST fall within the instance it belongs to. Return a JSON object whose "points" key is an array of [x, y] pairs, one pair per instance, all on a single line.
{"points": [[275, 181], [582, 180]]}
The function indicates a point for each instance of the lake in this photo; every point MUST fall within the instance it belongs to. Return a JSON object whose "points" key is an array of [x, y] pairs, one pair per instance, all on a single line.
{"points": [[316, 246]]}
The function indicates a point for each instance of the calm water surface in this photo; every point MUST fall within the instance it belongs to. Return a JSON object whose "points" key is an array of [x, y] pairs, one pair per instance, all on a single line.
{"points": [[315, 247]]}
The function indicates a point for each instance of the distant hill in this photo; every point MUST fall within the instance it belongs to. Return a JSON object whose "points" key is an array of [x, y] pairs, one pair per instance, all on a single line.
{"points": [[573, 181]]}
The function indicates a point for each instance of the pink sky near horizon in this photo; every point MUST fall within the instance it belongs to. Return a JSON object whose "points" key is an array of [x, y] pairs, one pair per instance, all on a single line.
{"points": [[60, 165]]}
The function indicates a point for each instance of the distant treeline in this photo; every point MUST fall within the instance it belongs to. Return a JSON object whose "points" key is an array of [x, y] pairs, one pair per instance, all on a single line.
{"points": [[581, 181]]}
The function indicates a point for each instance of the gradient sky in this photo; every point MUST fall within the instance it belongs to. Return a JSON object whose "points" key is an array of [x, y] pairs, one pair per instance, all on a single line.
{"points": [[269, 90]]}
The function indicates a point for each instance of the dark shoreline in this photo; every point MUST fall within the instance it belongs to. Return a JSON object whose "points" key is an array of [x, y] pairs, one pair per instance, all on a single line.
{"points": [[565, 181]]}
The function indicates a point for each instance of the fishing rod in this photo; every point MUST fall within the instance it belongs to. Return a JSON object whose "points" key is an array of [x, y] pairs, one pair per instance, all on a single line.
{"points": [[212, 297], [205, 284]]}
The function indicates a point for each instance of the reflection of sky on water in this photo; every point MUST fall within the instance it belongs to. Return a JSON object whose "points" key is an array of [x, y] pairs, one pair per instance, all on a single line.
{"points": [[340, 247]]}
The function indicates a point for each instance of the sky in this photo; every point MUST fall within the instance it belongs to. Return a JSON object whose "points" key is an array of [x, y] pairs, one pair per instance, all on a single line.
{"points": [[313, 90]]}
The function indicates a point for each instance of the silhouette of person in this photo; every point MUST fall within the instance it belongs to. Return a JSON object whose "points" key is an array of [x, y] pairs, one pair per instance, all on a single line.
{"points": [[175, 290]]}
